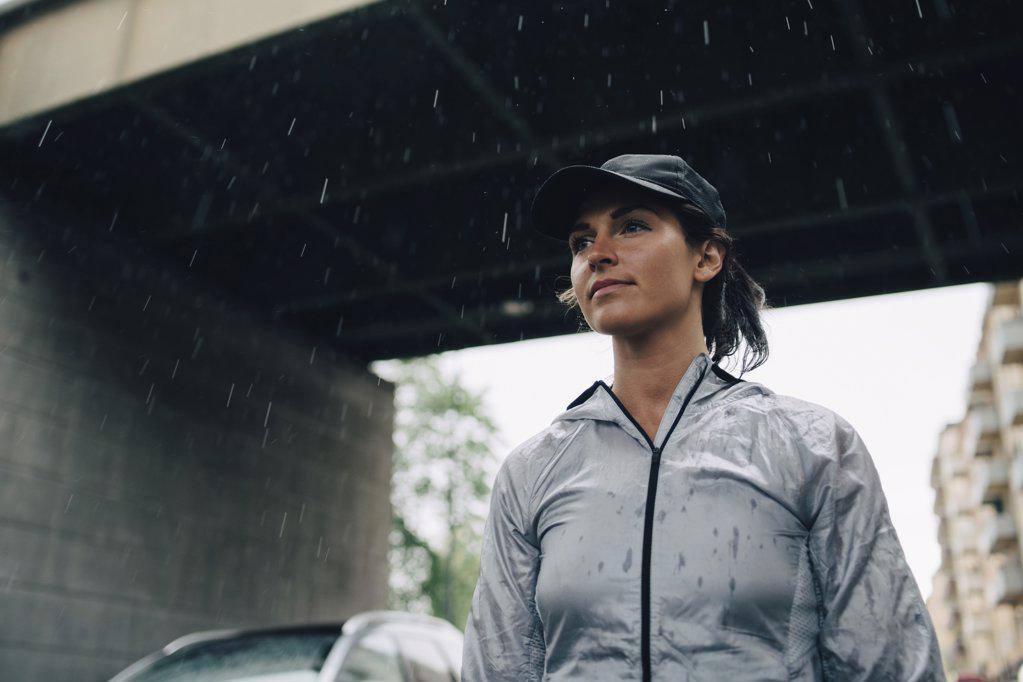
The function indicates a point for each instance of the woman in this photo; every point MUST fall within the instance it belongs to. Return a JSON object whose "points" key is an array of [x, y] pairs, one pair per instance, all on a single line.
{"points": [[683, 524]]}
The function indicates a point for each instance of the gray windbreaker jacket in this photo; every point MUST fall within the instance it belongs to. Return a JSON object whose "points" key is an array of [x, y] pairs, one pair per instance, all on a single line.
{"points": [[750, 540]]}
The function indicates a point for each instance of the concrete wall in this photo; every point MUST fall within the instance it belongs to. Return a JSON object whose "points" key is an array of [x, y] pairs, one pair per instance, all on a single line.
{"points": [[167, 464]]}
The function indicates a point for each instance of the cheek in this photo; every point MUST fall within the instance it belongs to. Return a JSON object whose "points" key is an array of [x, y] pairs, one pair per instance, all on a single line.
{"points": [[578, 276], [666, 274]]}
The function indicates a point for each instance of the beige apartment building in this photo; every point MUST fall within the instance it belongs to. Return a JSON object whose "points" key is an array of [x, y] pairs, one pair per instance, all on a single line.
{"points": [[977, 476]]}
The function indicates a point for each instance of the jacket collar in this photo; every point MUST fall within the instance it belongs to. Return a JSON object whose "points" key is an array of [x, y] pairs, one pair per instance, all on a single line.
{"points": [[598, 403]]}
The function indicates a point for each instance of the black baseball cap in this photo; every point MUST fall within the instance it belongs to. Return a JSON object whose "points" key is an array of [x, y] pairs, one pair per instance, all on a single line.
{"points": [[559, 197]]}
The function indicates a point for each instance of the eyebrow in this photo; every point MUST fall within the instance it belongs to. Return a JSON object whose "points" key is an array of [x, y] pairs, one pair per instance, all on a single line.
{"points": [[615, 214]]}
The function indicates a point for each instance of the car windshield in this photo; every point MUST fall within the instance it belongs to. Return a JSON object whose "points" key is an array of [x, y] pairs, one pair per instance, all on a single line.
{"points": [[280, 654]]}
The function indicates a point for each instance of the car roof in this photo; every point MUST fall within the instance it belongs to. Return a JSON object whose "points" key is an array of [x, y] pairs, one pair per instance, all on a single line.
{"points": [[228, 633]]}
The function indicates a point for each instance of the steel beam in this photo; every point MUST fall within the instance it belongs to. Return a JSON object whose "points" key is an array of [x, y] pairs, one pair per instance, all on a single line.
{"points": [[768, 227], [891, 128], [381, 265], [862, 81]]}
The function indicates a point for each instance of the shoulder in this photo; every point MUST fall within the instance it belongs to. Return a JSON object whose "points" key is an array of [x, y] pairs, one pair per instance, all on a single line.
{"points": [[524, 463], [806, 417], [816, 430]]}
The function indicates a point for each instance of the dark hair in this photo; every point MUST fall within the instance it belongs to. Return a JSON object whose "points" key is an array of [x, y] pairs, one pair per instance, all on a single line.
{"points": [[732, 300]]}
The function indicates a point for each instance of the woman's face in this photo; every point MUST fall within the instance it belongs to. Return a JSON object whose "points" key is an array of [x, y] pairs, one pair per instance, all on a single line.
{"points": [[626, 234]]}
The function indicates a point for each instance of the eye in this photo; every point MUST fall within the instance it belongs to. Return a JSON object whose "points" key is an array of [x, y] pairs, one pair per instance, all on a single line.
{"points": [[634, 223], [575, 243]]}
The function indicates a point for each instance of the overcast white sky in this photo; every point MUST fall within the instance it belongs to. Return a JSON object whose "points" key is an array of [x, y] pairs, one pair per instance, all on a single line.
{"points": [[895, 366]]}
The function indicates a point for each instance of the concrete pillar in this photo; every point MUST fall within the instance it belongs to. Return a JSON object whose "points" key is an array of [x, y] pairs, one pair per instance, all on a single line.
{"points": [[169, 464]]}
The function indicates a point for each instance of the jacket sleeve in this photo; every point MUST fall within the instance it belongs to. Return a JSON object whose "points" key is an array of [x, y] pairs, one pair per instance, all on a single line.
{"points": [[874, 625], [503, 634]]}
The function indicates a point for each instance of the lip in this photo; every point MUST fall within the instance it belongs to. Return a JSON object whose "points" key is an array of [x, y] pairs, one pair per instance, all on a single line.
{"points": [[607, 286]]}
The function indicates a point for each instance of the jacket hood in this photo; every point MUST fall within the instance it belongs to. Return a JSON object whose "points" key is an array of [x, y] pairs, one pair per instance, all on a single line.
{"points": [[599, 403]]}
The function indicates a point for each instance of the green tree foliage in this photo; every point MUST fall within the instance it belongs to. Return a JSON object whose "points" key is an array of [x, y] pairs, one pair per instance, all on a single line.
{"points": [[443, 464]]}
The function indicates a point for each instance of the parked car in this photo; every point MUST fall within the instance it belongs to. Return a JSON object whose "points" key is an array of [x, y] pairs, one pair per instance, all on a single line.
{"points": [[377, 646]]}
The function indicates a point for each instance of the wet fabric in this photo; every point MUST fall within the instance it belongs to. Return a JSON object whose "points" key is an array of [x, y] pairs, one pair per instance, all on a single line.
{"points": [[750, 541]]}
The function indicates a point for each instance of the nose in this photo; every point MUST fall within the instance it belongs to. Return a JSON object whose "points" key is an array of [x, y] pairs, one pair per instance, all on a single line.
{"points": [[601, 251]]}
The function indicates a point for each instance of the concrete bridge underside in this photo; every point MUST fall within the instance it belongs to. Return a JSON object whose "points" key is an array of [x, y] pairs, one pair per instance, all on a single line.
{"points": [[216, 213]]}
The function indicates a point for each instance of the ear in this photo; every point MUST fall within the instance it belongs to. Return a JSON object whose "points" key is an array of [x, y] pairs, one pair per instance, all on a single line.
{"points": [[712, 258]]}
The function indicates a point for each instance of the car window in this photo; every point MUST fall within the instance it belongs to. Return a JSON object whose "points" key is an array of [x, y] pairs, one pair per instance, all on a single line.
{"points": [[245, 655], [374, 658], [426, 663]]}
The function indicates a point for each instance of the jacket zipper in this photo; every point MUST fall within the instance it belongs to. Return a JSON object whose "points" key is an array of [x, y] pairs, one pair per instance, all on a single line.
{"points": [[648, 520]]}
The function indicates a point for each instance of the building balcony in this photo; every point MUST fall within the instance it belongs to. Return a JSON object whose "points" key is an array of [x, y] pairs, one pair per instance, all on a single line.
{"points": [[980, 375], [977, 626], [998, 533], [964, 537], [1006, 584], [939, 502], [982, 431], [990, 478], [1007, 342], [980, 383], [1016, 472], [1011, 407], [957, 497]]}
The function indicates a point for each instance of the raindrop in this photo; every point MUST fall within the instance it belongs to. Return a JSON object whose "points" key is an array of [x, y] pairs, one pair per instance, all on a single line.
{"points": [[840, 189], [292, 126], [952, 122], [48, 124], [706, 32]]}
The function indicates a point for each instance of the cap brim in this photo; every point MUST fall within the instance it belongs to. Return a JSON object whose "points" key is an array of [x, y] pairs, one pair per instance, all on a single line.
{"points": [[558, 199]]}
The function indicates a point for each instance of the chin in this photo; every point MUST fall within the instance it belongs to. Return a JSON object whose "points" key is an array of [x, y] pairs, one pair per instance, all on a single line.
{"points": [[623, 322]]}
